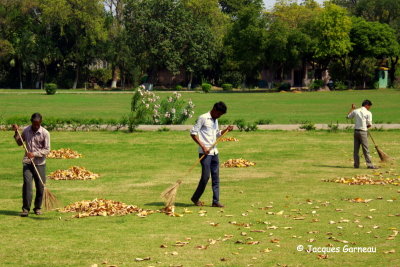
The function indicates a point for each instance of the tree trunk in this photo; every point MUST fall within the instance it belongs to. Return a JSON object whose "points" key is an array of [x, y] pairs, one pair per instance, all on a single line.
{"points": [[189, 86], [20, 73], [114, 77], [392, 69], [76, 77]]}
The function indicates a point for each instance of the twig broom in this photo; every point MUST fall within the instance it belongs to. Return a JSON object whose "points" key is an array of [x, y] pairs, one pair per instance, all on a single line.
{"points": [[49, 199], [382, 155], [169, 194]]}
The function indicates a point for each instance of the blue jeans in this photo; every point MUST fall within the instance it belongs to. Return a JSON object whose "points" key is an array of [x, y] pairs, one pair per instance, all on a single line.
{"points": [[209, 165]]}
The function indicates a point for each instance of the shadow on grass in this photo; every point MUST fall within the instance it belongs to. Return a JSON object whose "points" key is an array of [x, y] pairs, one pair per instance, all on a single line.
{"points": [[161, 204], [16, 214], [332, 166]]}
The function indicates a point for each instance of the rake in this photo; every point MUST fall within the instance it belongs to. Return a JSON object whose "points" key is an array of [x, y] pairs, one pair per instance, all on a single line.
{"points": [[49, 199], [169, 194], [382, 155]]}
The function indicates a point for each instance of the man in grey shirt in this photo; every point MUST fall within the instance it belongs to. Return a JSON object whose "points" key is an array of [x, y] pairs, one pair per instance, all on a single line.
{"points": [[37, 140], [363, 120]]}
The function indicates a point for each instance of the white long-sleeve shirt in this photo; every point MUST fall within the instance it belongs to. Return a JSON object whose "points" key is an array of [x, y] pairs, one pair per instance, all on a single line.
{"points": [[207, 130], [362, 118]]}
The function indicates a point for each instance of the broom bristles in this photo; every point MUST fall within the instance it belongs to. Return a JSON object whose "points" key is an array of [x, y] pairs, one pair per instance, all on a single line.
{"points": [[169, 194], [50, 200], [382, 155]]}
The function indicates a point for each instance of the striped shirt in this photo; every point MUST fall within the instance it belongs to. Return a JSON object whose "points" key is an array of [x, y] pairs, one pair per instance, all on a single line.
{"points": [[37, 142]]}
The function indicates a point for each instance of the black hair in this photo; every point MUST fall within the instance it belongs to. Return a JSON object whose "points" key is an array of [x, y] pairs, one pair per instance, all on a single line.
{"points": [[36, 117], [220, 106], [366, 103]]}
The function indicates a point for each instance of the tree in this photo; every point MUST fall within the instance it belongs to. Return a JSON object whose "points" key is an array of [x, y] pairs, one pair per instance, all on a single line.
{"points": [[383, 11], [207, 29], [330, 31], [370, 40], [79, 26], [245, 42]]}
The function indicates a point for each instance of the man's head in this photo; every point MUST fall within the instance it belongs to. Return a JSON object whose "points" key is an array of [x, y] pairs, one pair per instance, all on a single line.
{"points": [[36, 120], [218, 110], [367, 104]]}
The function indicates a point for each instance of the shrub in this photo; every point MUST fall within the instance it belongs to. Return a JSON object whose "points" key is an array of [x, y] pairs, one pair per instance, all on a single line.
{"points": [[333, 127], [233, 77], [243, 126], [284, 87], [263, 121], [100, 76], [339, 85], [178, 87], [149, 109], [224, 121], [51, 88], [163, 129], [308, 126], [206, 87], [316, 84], [227, 87]]}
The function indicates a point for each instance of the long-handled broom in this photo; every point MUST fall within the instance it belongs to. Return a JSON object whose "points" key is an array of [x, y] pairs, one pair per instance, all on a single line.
{"points": [[382, 155], [169, 194], [49, 199]]}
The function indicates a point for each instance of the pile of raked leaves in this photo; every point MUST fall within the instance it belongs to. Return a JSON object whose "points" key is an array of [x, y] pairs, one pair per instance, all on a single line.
{"points": [[104, 207], [237, 163], [64, 153], [73, 173]]}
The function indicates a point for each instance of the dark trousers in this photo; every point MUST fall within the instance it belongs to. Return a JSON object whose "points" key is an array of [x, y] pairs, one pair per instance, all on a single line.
{"points": [[209, 165], [30, 174], [361, 139]]}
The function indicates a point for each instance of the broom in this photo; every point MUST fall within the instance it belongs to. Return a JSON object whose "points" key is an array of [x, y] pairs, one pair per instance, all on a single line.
{"points": [[382, 155], [49, 199], [169, 194]]}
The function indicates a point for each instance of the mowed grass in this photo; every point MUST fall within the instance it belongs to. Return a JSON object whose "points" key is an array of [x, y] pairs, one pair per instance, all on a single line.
{"points": [[136, 168], [279, 108]]}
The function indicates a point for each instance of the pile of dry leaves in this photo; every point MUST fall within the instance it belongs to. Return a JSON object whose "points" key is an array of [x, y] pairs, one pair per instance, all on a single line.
{"points": [[64, 153], [104, 207], [229, 139], [73, 173], [366, 180], [237, 163]]}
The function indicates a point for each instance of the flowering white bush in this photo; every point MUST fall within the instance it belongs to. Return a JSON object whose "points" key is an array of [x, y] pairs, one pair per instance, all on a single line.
{"points": [[150, 109]]}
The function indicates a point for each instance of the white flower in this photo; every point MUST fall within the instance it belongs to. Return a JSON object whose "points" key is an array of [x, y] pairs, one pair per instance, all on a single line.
{"points": [[173, 110], [147, 106], [167, 115], [169, 99]]}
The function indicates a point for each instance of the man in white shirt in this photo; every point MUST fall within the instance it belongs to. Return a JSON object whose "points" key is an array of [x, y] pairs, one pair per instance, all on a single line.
{"points": [[205, 133], [363, 120]]}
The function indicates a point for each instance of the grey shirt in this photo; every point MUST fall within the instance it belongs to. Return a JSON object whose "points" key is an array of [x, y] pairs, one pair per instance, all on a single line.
{"points": [[37, 142]]}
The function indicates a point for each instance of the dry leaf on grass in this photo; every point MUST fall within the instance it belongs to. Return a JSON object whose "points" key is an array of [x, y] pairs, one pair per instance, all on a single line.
{"points": [[366, 180], [390, 251]]}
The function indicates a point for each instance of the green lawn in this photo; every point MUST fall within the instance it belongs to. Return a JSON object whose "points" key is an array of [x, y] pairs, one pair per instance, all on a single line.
{"points": [[135, 168], [280, 108]]}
